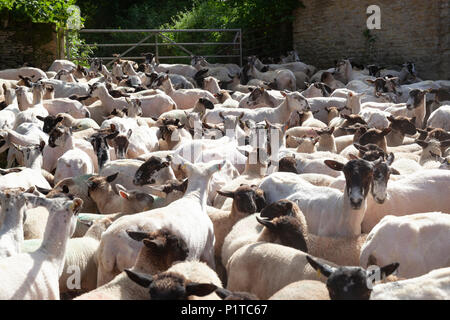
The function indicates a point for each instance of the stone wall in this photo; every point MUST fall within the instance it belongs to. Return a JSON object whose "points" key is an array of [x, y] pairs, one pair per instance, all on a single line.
{"points": [[26, 42], [413, 30]]}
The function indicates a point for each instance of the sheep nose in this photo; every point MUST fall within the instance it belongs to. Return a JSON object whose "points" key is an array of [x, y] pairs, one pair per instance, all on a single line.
{"points": [[356, 203]]}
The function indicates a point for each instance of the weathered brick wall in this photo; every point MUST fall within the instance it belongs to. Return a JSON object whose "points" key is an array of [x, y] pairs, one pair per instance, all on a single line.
{"points": [[413, 30], [26, 42]]}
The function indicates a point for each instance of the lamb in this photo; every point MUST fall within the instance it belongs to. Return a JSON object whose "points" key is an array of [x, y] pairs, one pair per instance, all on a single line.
{"points": [[21, 279], [189, 280], [162, 244], [185, 217], [426, 249]]}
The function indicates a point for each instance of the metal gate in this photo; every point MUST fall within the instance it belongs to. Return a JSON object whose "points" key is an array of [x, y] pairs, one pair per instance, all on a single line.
{"points": [[158, 34]]}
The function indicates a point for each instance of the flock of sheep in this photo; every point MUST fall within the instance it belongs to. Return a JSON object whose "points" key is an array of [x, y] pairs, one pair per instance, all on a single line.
{"points": [[211, 181]]}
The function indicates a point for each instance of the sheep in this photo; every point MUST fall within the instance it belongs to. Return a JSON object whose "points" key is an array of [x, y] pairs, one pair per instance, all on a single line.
{"points": [[168, 249], [284, 79], [350, 206], [123, 200], [246, 200], [400, 126], [189, 280], [279, 265], [431, 286], [326, 140], [317, 90], [21, 279], [248, 230], [62, 139], [343, 251], [261, 98], [80, 254], [293, 101], [421, 191], [431, 148], [134, 174], [73, 162], [78, 124], [421, 254], [352, 283], [14, 74], [184, 98], [440, 118], [320, 103], [12, 217], [192, 224], [302, 290], [200, 107], [304, 144], [225, 100]]}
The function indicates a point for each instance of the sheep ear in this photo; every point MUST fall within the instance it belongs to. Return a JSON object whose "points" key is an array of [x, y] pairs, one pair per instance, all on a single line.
{"points": [[144, 280], [324, 269], [223, 293], [266, 223], [41, 145], [422, 143], [200, 289], [390, 158], [154, 244], [40, 118], [112, 177], [228, 194], [388, 269], [445, 144], [76, 205], [394, 171], [353, 157], [335, 165], [43, 190], [123, 194], [137, 235]]}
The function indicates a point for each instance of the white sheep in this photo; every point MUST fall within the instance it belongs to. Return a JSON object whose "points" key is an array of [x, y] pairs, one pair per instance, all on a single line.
{"points": [[278, 265], [20, 278], [185, 217], [419, 242]]}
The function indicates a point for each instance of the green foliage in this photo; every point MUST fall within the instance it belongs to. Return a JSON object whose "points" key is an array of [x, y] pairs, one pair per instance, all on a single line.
{"points": [[44, 11]]}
